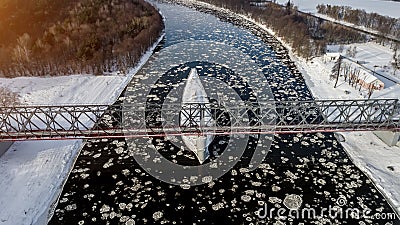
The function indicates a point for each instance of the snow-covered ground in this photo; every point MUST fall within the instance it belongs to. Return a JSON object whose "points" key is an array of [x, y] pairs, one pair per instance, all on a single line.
{"points": [[386, 8], [33, 173], [380, 162], [64, 89], [373, 56]]}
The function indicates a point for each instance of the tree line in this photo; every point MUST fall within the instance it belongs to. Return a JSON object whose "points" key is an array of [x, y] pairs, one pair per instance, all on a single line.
{"points": [[86, 36], [307, 35], [384, 24]]}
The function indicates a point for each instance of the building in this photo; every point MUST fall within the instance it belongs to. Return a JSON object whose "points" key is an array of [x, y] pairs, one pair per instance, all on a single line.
{"points": [[389, 137], [367, 80], [355, 72], [332, 56]]}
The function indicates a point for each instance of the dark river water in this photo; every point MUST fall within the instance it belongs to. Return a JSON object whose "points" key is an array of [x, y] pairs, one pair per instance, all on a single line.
{"points": [[301, 171]]}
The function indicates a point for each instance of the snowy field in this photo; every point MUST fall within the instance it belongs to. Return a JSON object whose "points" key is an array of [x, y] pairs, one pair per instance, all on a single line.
{"points": [[368, 152], [372, 55], [33, 173], [380, 162], [387, 8], [64, 89]]}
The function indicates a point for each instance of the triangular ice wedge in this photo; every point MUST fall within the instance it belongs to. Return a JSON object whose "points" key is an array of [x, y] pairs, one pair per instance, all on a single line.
{"points": [[194, 92]]}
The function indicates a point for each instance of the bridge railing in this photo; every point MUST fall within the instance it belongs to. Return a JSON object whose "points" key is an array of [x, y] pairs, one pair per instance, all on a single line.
{"points": [[143, 120], [374, 114]]}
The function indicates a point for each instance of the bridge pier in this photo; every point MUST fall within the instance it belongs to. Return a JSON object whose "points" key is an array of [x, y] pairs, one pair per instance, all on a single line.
{"points": [[4, 147], [389, 137]]}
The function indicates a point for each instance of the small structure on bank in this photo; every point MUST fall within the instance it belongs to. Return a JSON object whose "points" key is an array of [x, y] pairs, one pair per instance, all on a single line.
{"points": [[367, 80], [354, 73]]}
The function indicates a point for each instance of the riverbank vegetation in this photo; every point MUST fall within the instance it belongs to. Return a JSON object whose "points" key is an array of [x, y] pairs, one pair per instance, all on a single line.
{"points": [[307, 35], [56, 37], [385, 25]]}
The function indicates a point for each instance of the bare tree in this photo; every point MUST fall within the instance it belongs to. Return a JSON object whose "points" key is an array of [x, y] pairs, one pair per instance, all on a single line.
{"points": [[82, 39], [336, 70], [371, 88], [396, 61], [21, 52], [346, 68], [357, 78]]}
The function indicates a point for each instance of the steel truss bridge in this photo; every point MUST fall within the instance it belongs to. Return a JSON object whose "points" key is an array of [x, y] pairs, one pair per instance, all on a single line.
{"points": [[152, 120]]}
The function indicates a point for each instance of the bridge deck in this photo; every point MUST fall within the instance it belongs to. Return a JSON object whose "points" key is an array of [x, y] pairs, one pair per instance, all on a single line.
{"points": [[144, 120]]}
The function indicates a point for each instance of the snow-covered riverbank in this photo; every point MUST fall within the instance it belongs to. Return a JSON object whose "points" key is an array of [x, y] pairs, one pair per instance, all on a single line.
{"points": [[33, 173], [380, 162], [386, 8], [377, 160]]}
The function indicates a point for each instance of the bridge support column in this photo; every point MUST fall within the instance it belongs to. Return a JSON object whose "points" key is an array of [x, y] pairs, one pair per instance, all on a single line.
{"points": [[4, 147], [389, 137]]}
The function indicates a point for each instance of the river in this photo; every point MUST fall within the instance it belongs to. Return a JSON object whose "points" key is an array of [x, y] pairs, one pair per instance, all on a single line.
{"points": [[311, 171]]}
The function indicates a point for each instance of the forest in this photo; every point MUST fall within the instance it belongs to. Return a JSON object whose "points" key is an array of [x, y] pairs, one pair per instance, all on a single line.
{"points": [[307, 35], [57, 37], [384, 24]]}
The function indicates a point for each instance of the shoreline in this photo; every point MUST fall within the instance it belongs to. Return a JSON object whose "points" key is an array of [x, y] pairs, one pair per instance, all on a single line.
{"points": [[44, 194], [292, 61], [144, 58]]}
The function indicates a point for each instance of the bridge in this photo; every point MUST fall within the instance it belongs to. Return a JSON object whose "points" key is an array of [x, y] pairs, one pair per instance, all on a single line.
{"points": [[154, 120]]}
